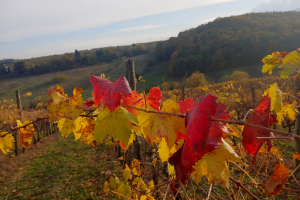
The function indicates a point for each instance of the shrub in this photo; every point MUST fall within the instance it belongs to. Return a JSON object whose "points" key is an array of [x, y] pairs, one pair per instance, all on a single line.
{"points": [[60, 78]]}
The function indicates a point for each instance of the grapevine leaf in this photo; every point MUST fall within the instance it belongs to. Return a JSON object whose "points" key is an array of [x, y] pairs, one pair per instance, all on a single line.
{"points": [[160, 125], [106, 187], [124, 189], [186, 105], [144, 197], [163, 150], [199, 122], [140, 184], [66, 126], [288, 110], [131, 99], [277, 180], [25, 134], [135, 165], [154, 98], [114, 182], [271, 61], [60, 105], [291, 63], [296, 155], [127, 173], [214, 165], [116, 124], [84, 129], [109, 93], [259, 116], [6, 142], [276, 96]]}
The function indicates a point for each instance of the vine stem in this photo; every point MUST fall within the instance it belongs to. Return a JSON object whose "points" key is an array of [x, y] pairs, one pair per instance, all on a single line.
{"points": [[258, 127], [238, 184], [24, 126], [121, 195], [156, 112]]}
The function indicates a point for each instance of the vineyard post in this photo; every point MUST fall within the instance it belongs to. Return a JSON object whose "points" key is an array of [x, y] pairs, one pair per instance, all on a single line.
{"points": [[253, 95], [16, 143], [297, 121], [130, 76], [19, 107]]}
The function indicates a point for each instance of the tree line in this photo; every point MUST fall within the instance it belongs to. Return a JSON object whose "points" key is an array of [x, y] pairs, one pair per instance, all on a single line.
{"points": [[67, 61]]}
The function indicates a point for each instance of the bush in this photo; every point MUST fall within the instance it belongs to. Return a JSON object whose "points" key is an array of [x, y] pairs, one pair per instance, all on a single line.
{"points": [[60, 78], [196, 79], [235, 76]]}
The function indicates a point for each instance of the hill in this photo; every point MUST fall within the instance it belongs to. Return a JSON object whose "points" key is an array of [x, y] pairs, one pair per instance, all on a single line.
{"points": [[298, 9], [230, 42]]}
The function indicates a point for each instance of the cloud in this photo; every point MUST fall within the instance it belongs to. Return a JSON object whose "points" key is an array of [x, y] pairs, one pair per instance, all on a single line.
{"points": [[203, 21], [139, 28], [276, 5], [21, 19]]}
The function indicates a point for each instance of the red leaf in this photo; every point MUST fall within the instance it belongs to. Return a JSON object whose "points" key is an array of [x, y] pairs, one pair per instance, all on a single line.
{"points": [[199, 122], [109, 93], [216, 130], [154, 97], [272, 119], [259, 116], [89, 102], [186, 105], [133, 99], [180, 136]]}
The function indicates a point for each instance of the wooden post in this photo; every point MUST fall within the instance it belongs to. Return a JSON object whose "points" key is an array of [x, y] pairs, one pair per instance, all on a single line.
{"points": [[297, 121], [19, 107], [130, 76]]}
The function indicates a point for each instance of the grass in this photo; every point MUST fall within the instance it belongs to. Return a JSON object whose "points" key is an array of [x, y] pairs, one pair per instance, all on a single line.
{"points": [[64, 169]]}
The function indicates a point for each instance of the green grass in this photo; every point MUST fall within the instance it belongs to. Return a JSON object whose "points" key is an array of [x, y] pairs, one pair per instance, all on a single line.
{"points": [[66, 169]]}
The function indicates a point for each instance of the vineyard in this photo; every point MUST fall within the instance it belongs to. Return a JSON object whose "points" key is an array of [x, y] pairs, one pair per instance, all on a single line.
{"points": [[233, 140]]}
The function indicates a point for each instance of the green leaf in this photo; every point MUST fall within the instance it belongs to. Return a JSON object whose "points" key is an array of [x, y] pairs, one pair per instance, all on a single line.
{"points": [[116, 124], [291, 63]]}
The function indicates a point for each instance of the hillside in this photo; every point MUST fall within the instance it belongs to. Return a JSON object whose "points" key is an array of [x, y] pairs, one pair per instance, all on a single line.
{"points": [[230, 42]]}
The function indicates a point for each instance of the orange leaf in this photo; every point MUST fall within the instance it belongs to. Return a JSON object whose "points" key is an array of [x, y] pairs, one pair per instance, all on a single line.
{"points": [[296, 155], [276, 181]]}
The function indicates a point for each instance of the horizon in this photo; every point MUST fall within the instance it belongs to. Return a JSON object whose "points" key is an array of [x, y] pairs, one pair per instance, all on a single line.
{"points": [[39, 40]]}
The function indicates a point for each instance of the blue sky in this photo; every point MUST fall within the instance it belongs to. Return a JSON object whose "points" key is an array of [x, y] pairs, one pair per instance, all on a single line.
{"points": [[33, 28]]}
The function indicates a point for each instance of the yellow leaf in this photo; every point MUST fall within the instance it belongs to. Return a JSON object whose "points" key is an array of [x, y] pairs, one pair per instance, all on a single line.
{"points": [[25, 134], [154, 161], [135, 165], [163, 150], [106, 187], [28, 94], [6, 142], [270, 62], [158, 125], [60, 105], [127, 173], [171, 169], [276, 97], [275, 152], [124, 189], [84, 129], [66, 126], [144, 197], [214, 165], [114, 182], [235, 132], [288, 110], [116, 124], [151, 184], [140, 183], [291, 63]]}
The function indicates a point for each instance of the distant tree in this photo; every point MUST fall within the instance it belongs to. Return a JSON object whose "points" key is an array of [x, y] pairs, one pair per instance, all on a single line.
{"points": [[196, 79], [77, 54], [235, 76], [20, 68]]}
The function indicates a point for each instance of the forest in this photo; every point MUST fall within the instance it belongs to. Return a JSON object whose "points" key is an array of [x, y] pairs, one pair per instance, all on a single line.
{"points": [[230, 42]]}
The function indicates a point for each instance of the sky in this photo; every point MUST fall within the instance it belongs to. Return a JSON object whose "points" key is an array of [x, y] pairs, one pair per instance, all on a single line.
{"points": [[33, 28]]}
